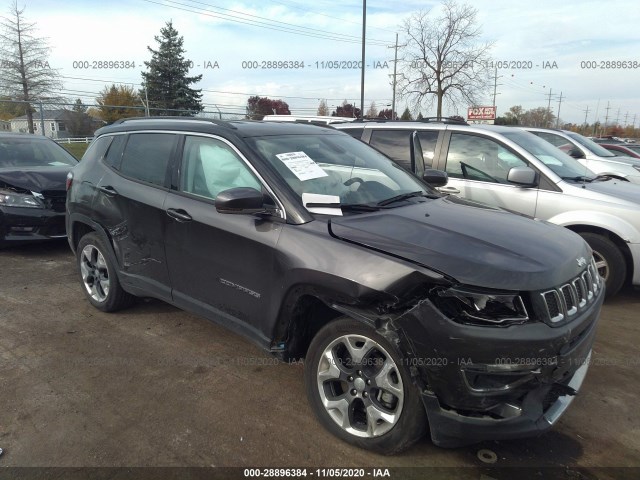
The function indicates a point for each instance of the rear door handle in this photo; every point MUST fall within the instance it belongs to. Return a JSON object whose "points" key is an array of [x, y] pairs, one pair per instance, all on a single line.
{"points": [[109, 190], [179, 215], [448, 190]]}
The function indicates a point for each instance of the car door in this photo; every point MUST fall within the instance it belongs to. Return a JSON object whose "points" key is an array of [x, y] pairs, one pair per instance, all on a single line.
{"points": [[478, 166], [130, 203], [221, 265]]}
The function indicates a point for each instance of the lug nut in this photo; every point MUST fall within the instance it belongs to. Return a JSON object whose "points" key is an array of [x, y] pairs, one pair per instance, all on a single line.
{"points": [[368, 382], [365, 394], [359, 373], [351, 379], [354, 392]]}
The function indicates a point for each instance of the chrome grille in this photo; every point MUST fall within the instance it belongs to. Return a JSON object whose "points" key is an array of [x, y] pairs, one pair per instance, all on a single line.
{"points": [[567, 300]]}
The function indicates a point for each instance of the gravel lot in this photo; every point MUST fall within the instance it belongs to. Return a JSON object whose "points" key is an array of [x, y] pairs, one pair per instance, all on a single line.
{"points": [[155, 386]]}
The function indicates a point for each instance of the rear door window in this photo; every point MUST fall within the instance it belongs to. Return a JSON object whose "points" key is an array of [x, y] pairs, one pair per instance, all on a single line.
{"points": [[396, 144], [146, 157]]}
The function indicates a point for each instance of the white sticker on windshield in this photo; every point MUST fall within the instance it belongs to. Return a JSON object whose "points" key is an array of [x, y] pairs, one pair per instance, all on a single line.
{"points": [[302, 165]]}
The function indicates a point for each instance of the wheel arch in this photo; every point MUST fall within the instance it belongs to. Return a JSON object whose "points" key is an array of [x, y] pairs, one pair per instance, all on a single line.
{"points": [[616, 239]]}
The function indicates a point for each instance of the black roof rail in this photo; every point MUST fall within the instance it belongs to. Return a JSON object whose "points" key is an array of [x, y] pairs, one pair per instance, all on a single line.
{"points": [[222, 123], [424, 120]]}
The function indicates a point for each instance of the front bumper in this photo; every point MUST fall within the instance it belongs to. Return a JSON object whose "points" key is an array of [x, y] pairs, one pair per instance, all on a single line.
{"points": [[469, 399], [18, 225]]}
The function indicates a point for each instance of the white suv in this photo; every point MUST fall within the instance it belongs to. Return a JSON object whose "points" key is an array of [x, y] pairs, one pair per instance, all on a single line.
{"points": [[518, 171]]}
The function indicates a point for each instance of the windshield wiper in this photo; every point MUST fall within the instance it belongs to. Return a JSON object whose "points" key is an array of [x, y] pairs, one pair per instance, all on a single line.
{"points": [[405, 196], [356, 207], [580, 178]]}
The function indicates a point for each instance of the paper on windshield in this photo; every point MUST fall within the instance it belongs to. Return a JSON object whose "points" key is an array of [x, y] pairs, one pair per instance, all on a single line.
{"points": [[302, 165], [318, 198]]}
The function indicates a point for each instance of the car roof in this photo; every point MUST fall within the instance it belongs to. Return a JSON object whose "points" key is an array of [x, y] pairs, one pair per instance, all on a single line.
{"points": [[240, 128], [416, 125], [23, 136]]}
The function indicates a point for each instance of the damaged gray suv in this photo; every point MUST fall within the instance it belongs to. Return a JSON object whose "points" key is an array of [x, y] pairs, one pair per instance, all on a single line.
{"points": [[413, 311]]}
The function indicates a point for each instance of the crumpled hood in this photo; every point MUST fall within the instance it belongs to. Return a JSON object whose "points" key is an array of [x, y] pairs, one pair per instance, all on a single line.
{"points": [[474, 244], [36, 179]]}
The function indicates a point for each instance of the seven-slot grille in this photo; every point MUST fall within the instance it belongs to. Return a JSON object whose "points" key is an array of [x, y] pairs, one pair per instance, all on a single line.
{"points": [[565, 301]]}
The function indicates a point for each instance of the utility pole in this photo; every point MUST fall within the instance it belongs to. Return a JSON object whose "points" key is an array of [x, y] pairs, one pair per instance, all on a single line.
{"points": [[618, 116], [364, 30], [495, 85], [606, 117], [395, 64], [586, 112], [41, 118], [559, 104], [596, 118], [626, 115], [549, 108]]}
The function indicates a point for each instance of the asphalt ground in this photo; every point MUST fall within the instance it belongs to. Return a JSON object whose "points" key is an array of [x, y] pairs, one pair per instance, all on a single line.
{"points": [[153, 386]]}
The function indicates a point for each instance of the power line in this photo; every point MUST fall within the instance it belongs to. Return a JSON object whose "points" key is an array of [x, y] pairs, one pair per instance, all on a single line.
{"points": [[272, 25]]}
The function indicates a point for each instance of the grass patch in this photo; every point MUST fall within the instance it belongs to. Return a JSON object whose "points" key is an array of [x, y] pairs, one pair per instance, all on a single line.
{"points": [[75, 149]]}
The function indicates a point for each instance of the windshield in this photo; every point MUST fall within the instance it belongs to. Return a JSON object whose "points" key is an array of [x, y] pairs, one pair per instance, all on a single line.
{"points": [[559, 162], [336, 169], [591, 145], [33, 152]]}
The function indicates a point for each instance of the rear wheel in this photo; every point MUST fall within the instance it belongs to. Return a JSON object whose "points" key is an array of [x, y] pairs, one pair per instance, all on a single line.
{"points": [[609, 260], [98, 276], [360, 390]]}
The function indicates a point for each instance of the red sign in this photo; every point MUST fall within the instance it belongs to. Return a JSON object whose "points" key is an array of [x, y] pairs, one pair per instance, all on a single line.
{"points": [[481, 113]]}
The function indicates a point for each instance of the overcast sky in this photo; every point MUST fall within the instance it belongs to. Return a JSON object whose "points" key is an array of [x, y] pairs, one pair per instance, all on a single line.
{"points": [[567, 33]]}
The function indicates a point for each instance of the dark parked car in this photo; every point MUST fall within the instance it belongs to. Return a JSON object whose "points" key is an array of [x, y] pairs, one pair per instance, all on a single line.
{"points": [[623, 149], [412, 309], [33, 170]]}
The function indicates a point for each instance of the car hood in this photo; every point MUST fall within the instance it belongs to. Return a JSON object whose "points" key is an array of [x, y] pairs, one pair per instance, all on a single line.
{"points": [[36, 179], [476, 245], [615, 188]]}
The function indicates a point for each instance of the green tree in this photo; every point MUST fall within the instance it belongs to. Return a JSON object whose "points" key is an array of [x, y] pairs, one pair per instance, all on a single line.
{"points": [[419, 117], [167, 84], [25, 73], [117, 101], [406, 115], [79, 107]]}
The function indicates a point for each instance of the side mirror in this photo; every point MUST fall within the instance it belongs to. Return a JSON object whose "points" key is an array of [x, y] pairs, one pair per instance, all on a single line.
{"points": [[435, 178], [576, 153], [241, 200], [524, 176]]}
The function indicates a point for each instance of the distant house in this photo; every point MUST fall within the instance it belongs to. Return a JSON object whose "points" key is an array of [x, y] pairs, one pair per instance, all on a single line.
{"points": [[54, 124], [5, 126]]}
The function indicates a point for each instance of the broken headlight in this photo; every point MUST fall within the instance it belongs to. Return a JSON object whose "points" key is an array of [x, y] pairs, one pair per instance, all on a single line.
{"points": [[482, 308], [9, 198]]}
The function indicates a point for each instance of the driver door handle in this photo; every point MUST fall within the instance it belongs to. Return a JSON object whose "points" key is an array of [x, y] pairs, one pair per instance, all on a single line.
{"points": [[448, 190], [179, 215], [108, 190]]}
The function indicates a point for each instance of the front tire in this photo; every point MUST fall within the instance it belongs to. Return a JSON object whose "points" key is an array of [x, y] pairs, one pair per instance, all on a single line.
{"points": [[610, 261], [360, 389], [98, 275]]}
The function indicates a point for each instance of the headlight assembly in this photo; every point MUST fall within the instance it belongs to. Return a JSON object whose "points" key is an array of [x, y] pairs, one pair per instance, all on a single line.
{"points": [[9, 198], [482, 308]]}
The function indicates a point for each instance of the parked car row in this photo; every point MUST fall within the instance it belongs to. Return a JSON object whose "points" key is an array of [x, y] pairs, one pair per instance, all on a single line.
{"points": [[416, 310], [516, 170]]}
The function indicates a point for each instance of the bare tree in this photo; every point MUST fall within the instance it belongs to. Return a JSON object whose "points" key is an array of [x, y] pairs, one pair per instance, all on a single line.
{"points": [[323, 108], [443, 58], [25, 73]]}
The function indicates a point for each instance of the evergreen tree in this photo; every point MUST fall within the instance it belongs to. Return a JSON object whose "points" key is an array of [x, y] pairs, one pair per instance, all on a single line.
{"points": [[166, 81], [406, 115]]}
